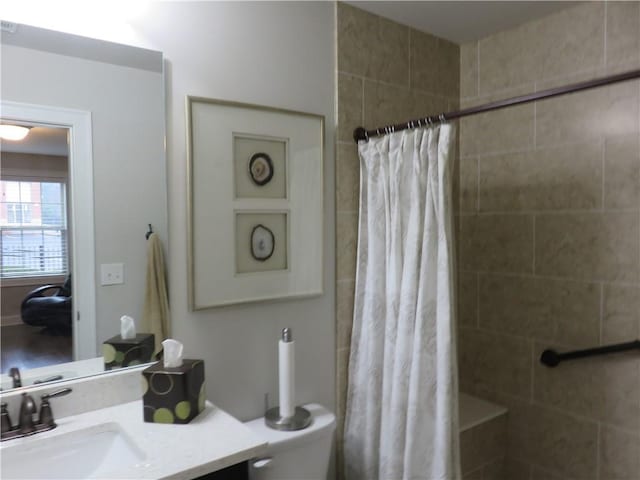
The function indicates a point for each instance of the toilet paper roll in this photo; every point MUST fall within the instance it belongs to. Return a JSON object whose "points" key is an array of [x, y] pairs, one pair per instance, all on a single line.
{"points": [[286, 375]]}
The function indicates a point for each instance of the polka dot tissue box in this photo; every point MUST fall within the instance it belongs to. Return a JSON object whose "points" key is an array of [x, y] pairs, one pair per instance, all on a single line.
{"points": [[173, 394], [121, 352]]}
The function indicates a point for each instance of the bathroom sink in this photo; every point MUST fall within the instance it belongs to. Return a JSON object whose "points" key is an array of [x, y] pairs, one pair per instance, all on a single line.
{"points": [[96, 452]]}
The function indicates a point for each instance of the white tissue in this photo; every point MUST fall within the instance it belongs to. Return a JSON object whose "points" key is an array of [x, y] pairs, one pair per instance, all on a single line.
{"points": [[286, 375], [172, 353], [127, 327]]}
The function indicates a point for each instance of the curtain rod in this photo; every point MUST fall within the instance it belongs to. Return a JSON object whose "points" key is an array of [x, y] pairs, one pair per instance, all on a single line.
{"points": [[361, 133]]}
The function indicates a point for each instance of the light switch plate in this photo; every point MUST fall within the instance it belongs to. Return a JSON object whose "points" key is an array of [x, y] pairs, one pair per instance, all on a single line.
{"points": [[111, 274]]}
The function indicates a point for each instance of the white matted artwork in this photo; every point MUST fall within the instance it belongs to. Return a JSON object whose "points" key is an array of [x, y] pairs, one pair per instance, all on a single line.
{"points": [[260, 166], [262, 242], [255, 203]]}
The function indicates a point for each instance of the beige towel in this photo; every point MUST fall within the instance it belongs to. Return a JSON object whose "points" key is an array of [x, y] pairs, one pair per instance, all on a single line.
{"points": [[155, 316]]}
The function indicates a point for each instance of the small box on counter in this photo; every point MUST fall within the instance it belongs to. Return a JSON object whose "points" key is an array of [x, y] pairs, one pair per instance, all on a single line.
{"points": [[119, 352], [173, 394]]}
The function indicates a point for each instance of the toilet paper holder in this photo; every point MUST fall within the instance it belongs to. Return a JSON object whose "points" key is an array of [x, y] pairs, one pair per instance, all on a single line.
{"points": [[273, 418]]}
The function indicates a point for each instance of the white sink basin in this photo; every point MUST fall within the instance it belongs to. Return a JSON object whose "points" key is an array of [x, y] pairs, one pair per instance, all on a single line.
{"points": [[95, 452]]}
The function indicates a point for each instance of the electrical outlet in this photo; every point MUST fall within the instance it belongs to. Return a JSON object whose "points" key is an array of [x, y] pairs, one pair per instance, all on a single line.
{"points": [[111, 274]]}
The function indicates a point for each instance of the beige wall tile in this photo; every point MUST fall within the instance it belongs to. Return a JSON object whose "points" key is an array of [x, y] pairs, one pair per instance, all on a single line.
{"points": [[619, 455], [538, 473], [483, 444], [346, 244], [570, 40], [588, 245], [435, 64], [474, 475], [507, 59], [622, 171], [372, 46], [557, 45], [550, 310], [497, 362], [468, 186], [556, 178], [588, 116], [621, 314], [606, 389], [469, 70], [498, 131], [350, 93], [623, 33], [344, 312], [561, 443], [387, 104], [347, 178], [516, 470], [498, 243], [424, 104], [468, 299], [495, 470]]}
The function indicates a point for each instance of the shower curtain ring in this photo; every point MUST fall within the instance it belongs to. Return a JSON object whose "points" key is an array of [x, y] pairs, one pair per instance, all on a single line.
{"points": [[441, 117]]}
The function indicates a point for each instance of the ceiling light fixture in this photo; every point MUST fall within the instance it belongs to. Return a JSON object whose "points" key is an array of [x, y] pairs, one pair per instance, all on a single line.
{"points": [[13, 132]]}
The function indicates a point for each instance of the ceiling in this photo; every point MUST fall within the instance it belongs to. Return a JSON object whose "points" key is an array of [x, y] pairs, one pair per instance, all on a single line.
{"points": [[461, 21], [40, 140]]}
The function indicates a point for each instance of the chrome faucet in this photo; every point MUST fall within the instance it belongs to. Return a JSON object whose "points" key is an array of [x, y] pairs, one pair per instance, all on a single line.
{"points": [[26, 425], [14, 373], [27, 410]]}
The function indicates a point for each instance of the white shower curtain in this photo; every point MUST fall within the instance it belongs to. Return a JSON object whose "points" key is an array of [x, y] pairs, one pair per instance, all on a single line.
{"points": [[402, 412]]}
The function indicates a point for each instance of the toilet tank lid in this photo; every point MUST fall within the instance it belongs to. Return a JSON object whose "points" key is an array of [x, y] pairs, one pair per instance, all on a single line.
{"points": [[323, 421]]}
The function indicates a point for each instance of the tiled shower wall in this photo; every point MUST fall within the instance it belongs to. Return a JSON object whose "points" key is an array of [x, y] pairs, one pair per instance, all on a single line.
{"points": [[549, 241], [387, 73]]}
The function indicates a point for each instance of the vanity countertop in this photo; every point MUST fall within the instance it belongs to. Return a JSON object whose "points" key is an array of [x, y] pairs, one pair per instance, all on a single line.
{"points": [[212, 441]]}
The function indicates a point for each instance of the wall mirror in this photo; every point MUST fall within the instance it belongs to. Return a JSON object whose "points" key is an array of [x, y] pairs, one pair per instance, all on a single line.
{"points": [[78, 197]]}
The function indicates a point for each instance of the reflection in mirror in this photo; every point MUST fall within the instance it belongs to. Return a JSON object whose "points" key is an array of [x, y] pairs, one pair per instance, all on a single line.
{"points": [[87, 218], [36, 329]]}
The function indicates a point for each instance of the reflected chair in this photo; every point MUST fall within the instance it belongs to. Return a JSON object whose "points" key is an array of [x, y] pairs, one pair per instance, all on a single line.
{"points": [[52, 311]]}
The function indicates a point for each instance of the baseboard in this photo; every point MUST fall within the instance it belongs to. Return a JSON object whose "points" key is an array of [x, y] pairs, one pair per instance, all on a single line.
{"points": [[8, 320]]}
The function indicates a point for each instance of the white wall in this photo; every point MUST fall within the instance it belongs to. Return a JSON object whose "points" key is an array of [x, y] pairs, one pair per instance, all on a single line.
{"points": [[269, 53]]}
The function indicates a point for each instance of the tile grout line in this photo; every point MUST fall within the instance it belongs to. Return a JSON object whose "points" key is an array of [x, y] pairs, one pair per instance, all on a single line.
{"points": [[604, 40], [477, 299], [601, 319], [552, 277], [478, 76], [598, 447], [603, 150], [533, 231]]}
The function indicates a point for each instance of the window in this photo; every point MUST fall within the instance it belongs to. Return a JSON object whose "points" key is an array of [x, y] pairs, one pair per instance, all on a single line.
{"points": [[33, 226]]}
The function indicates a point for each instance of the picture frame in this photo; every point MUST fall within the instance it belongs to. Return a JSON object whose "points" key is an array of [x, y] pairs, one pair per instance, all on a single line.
{"points": [[255, 203]]}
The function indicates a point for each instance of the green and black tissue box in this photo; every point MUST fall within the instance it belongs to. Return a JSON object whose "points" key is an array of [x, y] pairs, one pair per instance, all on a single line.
{"points": [[173, 394], [119, 352]]}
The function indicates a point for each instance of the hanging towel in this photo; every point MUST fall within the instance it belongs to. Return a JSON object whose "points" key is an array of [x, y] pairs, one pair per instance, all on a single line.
{"points": [[155, 316]]}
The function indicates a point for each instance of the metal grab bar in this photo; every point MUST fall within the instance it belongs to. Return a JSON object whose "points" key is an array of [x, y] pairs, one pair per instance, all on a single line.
{"points": [[551, 358]]}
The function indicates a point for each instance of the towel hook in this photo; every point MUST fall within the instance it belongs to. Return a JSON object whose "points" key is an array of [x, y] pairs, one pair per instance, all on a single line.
{"points": [[149, 232]]}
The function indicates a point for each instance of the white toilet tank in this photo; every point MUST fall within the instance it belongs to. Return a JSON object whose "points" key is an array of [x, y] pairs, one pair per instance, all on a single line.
{"points": [[299, 455]]}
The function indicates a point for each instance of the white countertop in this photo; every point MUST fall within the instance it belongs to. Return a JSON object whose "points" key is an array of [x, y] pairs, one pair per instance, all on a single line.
{"points": [[212, 441]]}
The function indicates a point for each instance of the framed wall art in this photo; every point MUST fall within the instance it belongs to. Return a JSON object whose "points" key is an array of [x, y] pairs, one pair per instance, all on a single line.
{"points": [[255, 187]]}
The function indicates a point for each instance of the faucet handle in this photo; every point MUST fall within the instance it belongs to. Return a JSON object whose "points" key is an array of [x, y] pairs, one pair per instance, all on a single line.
{"points": [[14, 373], [6, 420], [46, 415]]}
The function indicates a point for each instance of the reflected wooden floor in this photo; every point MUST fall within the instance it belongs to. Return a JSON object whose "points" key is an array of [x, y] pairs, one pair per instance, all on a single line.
{"points": [[25, 347]]}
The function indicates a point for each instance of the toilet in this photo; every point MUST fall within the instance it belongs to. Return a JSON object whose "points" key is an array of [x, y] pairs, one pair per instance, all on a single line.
{"points": [[297, 455]]}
